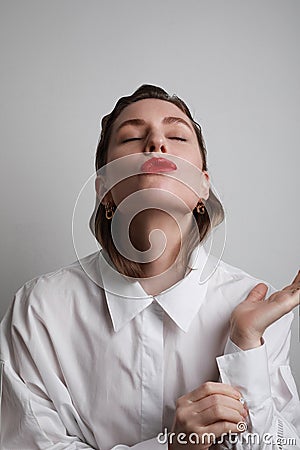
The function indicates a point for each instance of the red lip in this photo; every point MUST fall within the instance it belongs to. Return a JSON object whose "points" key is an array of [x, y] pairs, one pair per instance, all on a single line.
{"points": [[155, 165]]}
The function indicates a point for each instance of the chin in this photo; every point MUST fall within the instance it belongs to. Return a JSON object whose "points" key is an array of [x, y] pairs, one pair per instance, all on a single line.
{"points": [[154, 190]]}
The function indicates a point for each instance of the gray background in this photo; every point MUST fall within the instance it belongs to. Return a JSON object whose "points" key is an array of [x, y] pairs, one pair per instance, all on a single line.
{"points": [[65, 63]]}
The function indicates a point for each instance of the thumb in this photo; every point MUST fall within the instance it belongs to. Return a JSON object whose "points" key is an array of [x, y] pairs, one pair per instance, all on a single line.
{"points": [[258, 293]]}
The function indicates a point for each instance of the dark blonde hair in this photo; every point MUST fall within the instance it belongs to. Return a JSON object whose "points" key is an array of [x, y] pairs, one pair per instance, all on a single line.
{"points": [[214, 213]]}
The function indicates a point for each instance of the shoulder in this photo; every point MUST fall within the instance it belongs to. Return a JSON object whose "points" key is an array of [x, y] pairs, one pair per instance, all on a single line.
{"points": [[234, 283], [234, 274], [51, 308], [77, 271], [55, 290]]}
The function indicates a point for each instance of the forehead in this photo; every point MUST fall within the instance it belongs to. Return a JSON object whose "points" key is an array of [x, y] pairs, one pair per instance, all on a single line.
{"points": [[150, 109]]}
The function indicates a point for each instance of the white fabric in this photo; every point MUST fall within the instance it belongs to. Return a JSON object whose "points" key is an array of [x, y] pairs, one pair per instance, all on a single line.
{"points": [[86, 368]]}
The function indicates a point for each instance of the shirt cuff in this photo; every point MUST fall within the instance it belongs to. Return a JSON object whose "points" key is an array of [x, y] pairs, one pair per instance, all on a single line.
{"points": [[247, 371]]}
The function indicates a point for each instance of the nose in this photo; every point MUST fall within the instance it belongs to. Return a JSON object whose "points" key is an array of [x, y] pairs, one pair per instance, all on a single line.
{"points": [[155, 143]]}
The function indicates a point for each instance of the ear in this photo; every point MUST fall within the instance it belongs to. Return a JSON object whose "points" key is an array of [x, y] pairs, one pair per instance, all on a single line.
{"points": [[100, 189], [205, 184]]}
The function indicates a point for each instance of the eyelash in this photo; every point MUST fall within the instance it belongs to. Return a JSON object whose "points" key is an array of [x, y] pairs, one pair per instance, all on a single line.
{"points": [[176, 138], [130, 139]]}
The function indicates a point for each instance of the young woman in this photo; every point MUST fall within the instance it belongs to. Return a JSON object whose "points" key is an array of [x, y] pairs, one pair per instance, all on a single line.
{"points": [[133, 342]]}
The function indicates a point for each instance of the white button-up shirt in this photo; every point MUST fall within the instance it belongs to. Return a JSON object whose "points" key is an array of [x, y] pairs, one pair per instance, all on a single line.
{"points": [[87, 367]]}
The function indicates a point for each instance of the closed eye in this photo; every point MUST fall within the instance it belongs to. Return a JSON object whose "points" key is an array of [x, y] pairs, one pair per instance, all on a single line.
{"points": [[131, 139], [177, 138]]}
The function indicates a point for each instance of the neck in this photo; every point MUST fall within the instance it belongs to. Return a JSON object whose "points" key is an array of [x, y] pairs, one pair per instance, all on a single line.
{"points": [[152, 231]]}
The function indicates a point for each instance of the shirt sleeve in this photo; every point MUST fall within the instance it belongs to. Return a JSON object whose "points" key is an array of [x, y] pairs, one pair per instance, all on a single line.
{"points": [[264, 378], [23, 428], [29, 419]]}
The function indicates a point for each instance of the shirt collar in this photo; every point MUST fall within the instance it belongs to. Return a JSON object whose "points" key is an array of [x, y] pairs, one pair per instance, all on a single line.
{"points": [[126, 297]]}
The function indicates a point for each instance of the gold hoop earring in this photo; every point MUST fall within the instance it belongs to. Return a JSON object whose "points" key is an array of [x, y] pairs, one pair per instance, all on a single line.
{"points": [[200, 207], [109, 210]]}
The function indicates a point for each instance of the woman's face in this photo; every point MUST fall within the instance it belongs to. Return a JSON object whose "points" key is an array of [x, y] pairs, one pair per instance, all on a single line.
{"points": [[155, 129]]}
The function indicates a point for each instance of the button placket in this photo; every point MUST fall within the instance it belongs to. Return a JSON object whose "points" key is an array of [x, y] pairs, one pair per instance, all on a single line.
{"points": [[152, 371]]}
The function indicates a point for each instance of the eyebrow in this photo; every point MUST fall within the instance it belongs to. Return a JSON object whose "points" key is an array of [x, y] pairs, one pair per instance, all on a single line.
{"points": [[166, 121], [170, 120]]}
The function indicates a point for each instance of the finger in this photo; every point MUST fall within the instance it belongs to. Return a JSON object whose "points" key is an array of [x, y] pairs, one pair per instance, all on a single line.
{"points": [[296, 290], [258, 293], [297, 278], [219, 400], [218, 413], [286, 300], [294, 283], [210, 388], [292, 288]]}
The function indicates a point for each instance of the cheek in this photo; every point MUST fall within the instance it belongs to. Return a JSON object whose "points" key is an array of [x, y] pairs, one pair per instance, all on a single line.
{"points": [[196, 159], [116, 151], [124, 189], [186, 194], [190, 154]]}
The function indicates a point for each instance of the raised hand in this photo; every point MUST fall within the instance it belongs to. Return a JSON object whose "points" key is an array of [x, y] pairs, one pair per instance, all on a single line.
{"points": [[251, 317]]}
